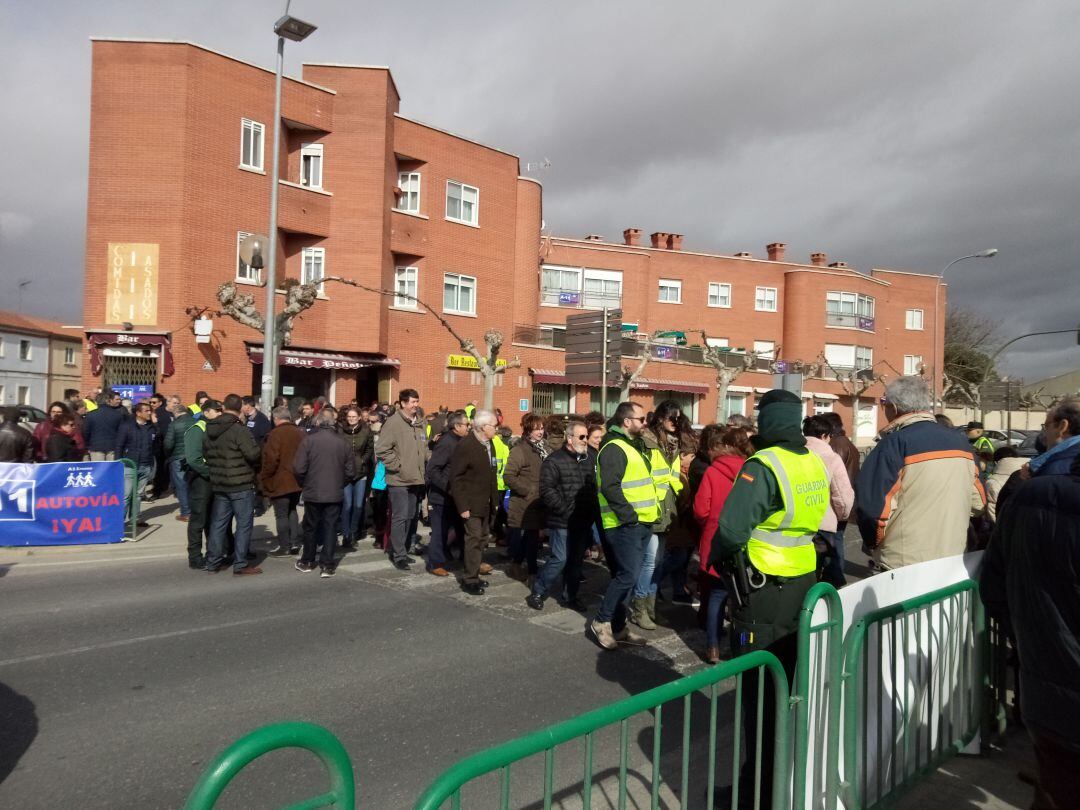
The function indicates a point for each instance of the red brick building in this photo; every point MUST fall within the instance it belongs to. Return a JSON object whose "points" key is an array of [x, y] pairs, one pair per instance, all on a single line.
{"points": [[180, 142]]}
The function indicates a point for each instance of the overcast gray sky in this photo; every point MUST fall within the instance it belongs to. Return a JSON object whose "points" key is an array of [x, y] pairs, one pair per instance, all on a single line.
{"points": [[895, 135]]}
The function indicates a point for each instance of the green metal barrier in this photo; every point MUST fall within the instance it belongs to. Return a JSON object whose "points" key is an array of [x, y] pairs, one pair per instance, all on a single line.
{"points": [[500, 758], [998, 655], [913, 685], [263, 740], [817, 704], [131, 466]]}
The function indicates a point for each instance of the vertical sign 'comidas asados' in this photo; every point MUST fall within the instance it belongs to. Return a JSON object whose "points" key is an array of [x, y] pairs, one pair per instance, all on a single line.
{"points": [[133, 284]]}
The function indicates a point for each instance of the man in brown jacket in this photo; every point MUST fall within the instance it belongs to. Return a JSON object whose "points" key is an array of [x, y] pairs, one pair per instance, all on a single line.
{"points": [[278, 483], [475, 492], [403, 449]]}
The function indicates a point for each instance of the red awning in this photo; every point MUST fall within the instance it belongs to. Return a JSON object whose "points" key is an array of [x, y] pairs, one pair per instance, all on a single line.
{"points": [[313, 358], [543, 375], [99, 340]]}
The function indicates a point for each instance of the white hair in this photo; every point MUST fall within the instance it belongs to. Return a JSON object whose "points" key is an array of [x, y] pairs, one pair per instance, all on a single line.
{"points": [[909, 395], [481, 418]]}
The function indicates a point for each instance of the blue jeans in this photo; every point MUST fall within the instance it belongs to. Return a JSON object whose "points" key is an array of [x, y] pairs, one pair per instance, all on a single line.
{"points": [[133, 489], [228, 505], [624, 550], [179, 485], [352, 508], [833, 569], [567, 550], [522, 545], [714, 614], [645, 585], [673, 565]]}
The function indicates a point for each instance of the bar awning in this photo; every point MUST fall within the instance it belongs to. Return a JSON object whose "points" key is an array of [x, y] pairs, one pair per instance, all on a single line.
{"points": [[314, 358]]}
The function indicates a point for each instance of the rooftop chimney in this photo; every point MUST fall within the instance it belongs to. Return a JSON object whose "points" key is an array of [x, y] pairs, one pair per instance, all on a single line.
{"points": [[659, 239], [594, 237], [675, 241], [776, 251], [839, 265], [632, 236], [744, 254], [819, 259]]}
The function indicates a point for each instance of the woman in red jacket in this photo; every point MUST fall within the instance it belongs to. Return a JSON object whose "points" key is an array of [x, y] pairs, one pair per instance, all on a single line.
{"points": [[728, 449]]}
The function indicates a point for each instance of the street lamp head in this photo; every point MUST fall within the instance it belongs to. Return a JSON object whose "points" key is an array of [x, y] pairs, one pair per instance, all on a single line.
{"points": [[986, 254], [294, 29]]}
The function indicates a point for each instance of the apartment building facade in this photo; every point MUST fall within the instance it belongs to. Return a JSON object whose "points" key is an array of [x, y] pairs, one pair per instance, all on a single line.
{"points": [[39, 359], [179, 175]]}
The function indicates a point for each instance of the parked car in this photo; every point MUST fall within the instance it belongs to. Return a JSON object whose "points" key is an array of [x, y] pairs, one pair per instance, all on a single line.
{"points": [[31, 416], [1026, 448]]}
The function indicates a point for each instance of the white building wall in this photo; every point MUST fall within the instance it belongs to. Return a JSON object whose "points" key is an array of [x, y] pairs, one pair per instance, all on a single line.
{"points": [[16, 373]]}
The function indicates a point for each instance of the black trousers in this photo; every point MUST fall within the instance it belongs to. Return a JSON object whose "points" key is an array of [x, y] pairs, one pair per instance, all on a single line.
{"points": [[768, 621], [321, 522], [200, 497], [286, 521]]}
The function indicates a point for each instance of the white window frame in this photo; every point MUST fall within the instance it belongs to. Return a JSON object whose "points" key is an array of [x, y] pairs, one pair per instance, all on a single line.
{"points": [[911, 364], [459, 280], [311, 155], [833, 352], [718, 342], [570, 281], [22, 395], [721, 291], [69, 355], [244, 273], [669, 285], [864, 357], [402, 277], [462, 188], [1, 395], [913, 315], [821, 406], [760, 351], [1, 347], [409, 201], [247, 125], [26, 350], [761, 299], [605, 298], [309, 257], [847, 308]]}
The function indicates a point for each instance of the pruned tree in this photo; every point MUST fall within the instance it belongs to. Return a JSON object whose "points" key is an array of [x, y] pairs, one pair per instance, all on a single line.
{"points": [[627, 375], [725, 373], [301, 297], [969, 339]]}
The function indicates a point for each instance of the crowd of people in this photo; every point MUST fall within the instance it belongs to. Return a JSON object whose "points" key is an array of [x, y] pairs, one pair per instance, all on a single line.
{"points": [[738, 520]]}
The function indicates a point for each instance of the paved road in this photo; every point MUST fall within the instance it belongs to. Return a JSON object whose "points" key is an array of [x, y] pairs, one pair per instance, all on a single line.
{"points": [[122, 673]]}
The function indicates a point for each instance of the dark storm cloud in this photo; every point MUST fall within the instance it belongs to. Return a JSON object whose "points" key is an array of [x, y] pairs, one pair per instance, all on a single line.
{"points": [[885, 135]]}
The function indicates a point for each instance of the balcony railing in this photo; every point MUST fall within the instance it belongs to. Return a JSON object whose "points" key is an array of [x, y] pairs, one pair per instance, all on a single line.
{"points": [[576, 299], [850, 321], [539, 336]]}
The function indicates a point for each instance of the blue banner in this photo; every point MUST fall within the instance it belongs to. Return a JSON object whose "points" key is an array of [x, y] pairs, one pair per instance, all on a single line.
{"points": [[68, 503]]}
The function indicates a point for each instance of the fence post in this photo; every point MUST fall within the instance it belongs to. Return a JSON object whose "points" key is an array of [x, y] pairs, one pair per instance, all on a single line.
{"points": [[832, 630], [236, 757], [135, 500]]}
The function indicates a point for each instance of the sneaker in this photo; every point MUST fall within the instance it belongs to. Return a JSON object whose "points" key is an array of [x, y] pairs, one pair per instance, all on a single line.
{"points": [[304, 567], [534, 601], [279, 551], [624, 636], [294, 550], [601, 632], [403, 565], [328, 571]]}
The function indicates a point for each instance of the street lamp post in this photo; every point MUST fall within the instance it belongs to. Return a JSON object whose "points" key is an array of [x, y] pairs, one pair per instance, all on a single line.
{"points": [[296, 30], [940, 363]]}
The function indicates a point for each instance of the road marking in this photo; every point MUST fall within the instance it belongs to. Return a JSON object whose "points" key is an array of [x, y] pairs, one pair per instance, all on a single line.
{"points": [[108, 645], [15, 565]]}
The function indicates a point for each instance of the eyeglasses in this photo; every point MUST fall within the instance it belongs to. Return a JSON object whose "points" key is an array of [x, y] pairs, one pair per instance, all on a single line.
{"points": [[580, 436], [636, 418]]}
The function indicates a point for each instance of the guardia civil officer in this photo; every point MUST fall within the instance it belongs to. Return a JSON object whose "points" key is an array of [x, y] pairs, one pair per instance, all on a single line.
{"points": [[765, 540]]}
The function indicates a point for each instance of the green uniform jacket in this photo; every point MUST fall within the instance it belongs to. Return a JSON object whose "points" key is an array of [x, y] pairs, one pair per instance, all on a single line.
{"points": [[193, 449], [174, 435]]}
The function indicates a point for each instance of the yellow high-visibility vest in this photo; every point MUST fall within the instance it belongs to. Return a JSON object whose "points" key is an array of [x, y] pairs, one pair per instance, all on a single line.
{"points": [[665, 476], [502, 453], [638, 486], [783, 543]]}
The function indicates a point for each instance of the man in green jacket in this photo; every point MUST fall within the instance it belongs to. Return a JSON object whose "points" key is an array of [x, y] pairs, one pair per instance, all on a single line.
{"points": [[182, 419], [197, 481]]}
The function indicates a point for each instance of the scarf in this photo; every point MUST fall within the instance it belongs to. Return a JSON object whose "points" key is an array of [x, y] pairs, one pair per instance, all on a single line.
{"points": [[541, 448], [1039, 462]]}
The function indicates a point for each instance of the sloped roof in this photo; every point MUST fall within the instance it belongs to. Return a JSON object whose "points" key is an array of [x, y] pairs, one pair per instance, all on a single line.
{"points": [[30, 324]]}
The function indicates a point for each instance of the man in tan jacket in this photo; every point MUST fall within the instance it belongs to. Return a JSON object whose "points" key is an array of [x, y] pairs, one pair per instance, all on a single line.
{"points": [[403, 449], [918, 489]]}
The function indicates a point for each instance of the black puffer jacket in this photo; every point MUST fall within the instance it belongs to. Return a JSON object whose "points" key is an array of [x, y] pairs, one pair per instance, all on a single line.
{"points": [[231, 453], [568, 489], [362, 443], [1029, 579], [16, 444]]}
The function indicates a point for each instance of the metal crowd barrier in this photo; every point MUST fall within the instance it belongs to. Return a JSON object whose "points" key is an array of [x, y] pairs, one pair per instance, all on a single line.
{"points": [[909, 686], [263, 740]]}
